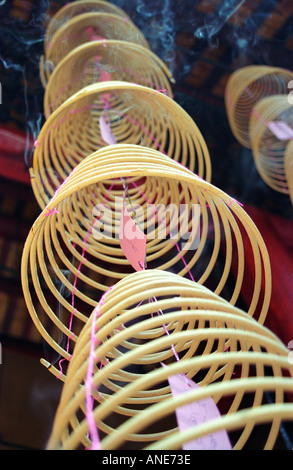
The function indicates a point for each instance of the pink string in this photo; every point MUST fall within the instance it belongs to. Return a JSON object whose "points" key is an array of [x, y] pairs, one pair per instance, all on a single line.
{"points": [[159, 312], [77, 274], [51, 211], [235, 200], [94, 435], [89, 384], [161, 91]]}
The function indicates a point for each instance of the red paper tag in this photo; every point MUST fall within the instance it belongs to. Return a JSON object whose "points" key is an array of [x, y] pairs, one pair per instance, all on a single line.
{"points": [[196, 413], [281, 130], [132, 241]]}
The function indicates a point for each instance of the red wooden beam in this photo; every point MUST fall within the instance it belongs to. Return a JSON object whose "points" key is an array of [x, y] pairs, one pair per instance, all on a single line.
{"points": [[13, 146]]}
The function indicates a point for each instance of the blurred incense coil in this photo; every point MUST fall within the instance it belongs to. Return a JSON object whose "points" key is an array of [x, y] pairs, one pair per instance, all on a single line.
{"points": [[271, 129], [225, 351], [93, 62], [85, 28], [288, 159], [78, 232], [70, 10], [245, 87], [133, 114]]}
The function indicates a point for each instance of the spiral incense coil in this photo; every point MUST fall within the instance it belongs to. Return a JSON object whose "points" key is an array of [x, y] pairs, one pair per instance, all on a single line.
{"points": [[142, 320], [245, 87], [76, 237], [289, 168], [93, 62], [135, 115], [68, 11], [85, 28], [271, 128]]}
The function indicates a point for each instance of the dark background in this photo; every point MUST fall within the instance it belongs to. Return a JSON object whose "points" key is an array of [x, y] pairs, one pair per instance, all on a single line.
{"points": [[202, 42]]}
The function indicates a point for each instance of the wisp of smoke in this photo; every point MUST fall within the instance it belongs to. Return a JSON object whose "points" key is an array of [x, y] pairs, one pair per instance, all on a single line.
{"points": [[157, 22], [216, 20], [21, 45]]}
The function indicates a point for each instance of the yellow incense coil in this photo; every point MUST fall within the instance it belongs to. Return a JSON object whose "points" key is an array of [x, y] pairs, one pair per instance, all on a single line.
{"points": [[142, 320], [93, 62], [68, 11], [85, 28], [288, 159], [75, 240], [245, 87], [269, 139], [136, 114]]}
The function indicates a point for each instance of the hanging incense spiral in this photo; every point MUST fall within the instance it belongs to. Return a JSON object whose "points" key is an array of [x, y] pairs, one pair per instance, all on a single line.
{"points": [[80, 227], [70, 10], [151, 327], [84, 28], [288, 163], [271, 129], [132, 113], [245, 87], [96, 61]]}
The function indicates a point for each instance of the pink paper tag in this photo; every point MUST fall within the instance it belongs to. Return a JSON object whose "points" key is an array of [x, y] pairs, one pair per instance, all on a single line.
{"points": [[106, 132], [197, 413], [132, 241], [104, 76], [94, 36], [281, 130]]}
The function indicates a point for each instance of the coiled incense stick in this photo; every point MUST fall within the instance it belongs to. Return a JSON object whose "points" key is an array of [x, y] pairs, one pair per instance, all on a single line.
{"points": [[271, 129], [141, 321], [85, 28], [93, 62], [70, 10], [82, 223], [288, 159], [134, 114], [245, 87]]}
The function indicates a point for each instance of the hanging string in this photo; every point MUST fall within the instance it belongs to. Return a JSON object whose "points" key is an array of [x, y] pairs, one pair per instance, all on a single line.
{"points": [[85, 240]]}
